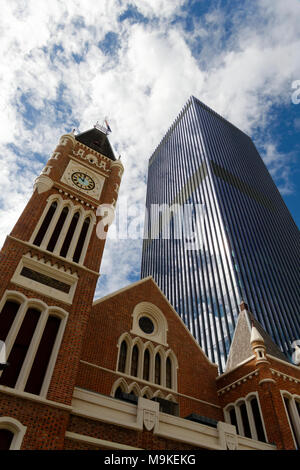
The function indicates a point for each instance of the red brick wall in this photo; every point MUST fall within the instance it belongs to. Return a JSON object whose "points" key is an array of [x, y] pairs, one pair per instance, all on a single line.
{"points": [[112, 317], [46, 426]]}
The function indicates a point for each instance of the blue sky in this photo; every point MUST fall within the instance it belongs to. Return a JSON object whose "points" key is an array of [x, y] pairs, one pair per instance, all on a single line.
{"points": [[68, 64]]}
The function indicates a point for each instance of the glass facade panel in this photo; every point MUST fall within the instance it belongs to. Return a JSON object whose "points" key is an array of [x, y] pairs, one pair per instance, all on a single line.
{"points": [[237, 242]]}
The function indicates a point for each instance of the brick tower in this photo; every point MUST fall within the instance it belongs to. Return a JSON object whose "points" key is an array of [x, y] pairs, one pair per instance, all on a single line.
{"points": [[49, 270]]}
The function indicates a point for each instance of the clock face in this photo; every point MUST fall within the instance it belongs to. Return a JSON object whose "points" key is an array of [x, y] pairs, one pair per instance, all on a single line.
{"points": [[83, 181]]}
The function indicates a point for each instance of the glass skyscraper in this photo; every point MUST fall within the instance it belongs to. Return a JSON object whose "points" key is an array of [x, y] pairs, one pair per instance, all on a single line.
{"points": [[237, 240]]}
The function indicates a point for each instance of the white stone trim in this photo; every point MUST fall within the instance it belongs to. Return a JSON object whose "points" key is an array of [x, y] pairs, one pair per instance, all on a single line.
{"points": [[239, 381], [46, 311], [98, 442], [16, 428], [285, 376], [59, 274], [101, 408]]}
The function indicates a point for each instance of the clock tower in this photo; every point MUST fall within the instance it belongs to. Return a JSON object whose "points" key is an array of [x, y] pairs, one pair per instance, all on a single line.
{"points": [[49, 268]]}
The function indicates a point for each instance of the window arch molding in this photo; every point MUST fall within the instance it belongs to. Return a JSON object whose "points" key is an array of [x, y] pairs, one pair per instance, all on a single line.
{"points": [[17, 428], [45, 313], [250, 415], [119, 383], [146, 392], [155, 315]]}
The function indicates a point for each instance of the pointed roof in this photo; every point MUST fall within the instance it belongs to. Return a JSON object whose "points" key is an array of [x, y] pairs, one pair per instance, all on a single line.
{"points": [[247, 329], [97, 140]]}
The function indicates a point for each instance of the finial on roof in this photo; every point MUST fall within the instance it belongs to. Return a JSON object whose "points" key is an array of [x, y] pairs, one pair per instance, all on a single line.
{"points": [[243, 306], [256, 336]]}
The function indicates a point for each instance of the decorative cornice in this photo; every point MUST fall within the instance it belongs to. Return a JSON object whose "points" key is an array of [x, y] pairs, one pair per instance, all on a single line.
{"points": [[73, 195], [284, 376], [79, 267], [238, 382]]}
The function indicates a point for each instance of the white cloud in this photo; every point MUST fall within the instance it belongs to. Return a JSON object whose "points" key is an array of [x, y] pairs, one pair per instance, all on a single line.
{"points": [[142, 87]]}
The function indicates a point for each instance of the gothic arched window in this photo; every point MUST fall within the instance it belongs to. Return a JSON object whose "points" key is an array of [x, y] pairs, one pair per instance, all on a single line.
{"points": [[81, 240], [146, 368], [157, 371], [168, 373], [122, 357], [134, 361]]}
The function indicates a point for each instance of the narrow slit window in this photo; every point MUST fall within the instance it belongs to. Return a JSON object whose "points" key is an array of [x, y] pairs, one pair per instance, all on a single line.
{"points": [[134, 361], [122, 357], [57, 230], [157, 368], [81, 240], [69, 235], [45, 224], [233, 420], [146, 369], [245, 420], [168, 373], [257, 420]]}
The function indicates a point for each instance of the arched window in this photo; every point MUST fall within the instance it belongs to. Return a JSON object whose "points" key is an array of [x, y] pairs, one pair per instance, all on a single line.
{"points": [[39, 367], [81, 240], [19, 350], [58, 228], [69, 235], [134, 361], [6, 438], [157, 371], [122, 357], [45, 224], [168, 373], [245, 420], [232, 415], [32, 342], [7, 316], [146, 368], [257, 420]]}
